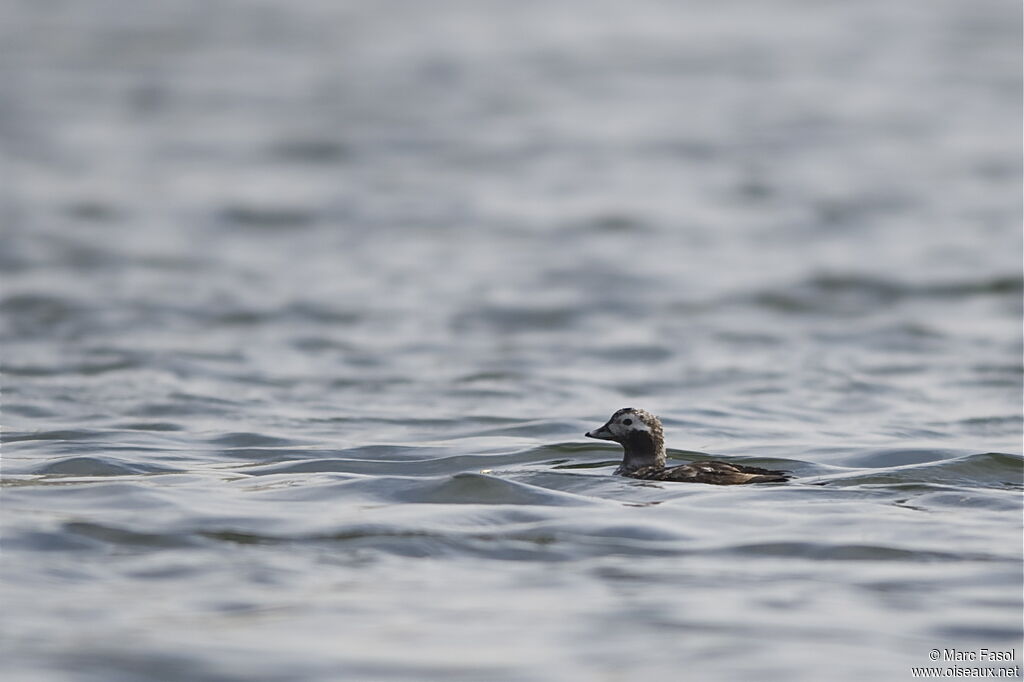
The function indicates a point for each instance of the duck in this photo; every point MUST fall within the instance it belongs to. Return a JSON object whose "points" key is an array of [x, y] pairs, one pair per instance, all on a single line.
{"points": [[643, 442]]}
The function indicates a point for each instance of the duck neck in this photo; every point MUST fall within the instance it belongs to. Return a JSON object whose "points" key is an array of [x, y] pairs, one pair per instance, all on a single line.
{"points": [[642, 449]]}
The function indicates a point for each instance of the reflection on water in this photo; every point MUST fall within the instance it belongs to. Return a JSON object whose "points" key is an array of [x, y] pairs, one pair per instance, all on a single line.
{"points": [[305, 309]]}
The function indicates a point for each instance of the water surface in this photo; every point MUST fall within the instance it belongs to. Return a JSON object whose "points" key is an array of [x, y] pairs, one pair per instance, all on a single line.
{"points": [[306, 307]]}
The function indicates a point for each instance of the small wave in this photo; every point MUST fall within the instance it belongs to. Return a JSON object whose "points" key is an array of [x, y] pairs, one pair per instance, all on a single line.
{"points": [[633, 353], [98, 466], [122, 536], [985, 470], [84, 368], [838, 294], [430, 466], [94, 211], [996, 424], [250, 440], [892, 457], [462, 488], [26, 410], [60, 434], [511, 319], [823, 551], [498, 531], [311, 150], [292, 313], [267, 217], [181, 404], [483, 489], [31, 315], [151, 426]]}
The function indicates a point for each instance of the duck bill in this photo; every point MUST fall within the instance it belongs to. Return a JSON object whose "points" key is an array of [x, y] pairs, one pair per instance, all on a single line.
{"points": [[601, 433]]}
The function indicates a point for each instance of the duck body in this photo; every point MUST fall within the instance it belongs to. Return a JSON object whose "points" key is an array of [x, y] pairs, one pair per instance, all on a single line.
{"points": [[716, 473], [643, 442]]}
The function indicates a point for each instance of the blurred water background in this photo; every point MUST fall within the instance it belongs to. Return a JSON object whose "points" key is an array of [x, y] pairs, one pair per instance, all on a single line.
{"points": [[306, 306]]}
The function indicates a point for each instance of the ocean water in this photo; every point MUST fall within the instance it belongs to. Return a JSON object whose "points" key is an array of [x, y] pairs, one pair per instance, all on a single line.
{"points": [[306, 307]]}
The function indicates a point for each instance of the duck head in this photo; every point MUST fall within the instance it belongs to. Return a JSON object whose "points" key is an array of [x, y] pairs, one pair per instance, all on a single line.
{"points": [[639, 433]]}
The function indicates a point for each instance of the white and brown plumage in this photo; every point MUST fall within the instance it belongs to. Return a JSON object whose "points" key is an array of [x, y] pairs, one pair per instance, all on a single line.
{"points": [[643, 442]]}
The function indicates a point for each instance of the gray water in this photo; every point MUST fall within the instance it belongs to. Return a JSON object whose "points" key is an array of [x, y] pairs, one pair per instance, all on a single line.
{"points": [[307, 305]]}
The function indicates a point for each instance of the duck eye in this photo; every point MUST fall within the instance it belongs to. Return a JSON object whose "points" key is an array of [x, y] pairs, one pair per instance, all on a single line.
{"points": [[627, 422]]}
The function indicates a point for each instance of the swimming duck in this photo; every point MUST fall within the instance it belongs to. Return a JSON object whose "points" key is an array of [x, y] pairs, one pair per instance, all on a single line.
{"points": [[643, 440]]}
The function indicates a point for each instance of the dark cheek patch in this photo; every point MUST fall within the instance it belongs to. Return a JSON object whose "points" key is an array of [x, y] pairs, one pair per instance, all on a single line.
{"points": [[640, 441]]}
